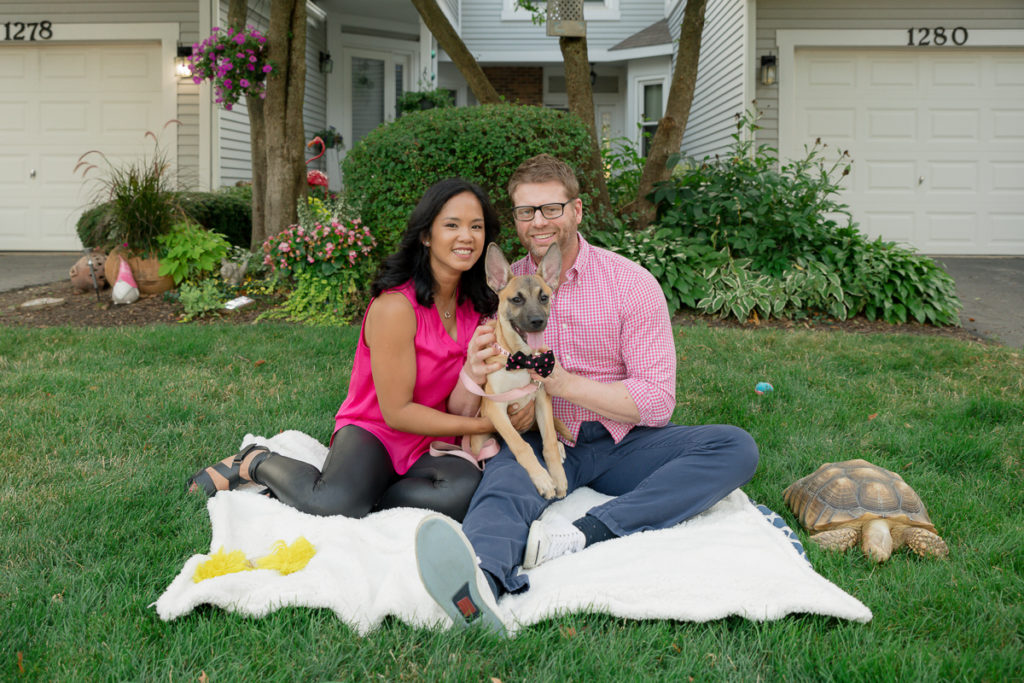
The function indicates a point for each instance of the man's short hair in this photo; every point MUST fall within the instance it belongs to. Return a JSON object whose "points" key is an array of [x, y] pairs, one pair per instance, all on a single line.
{"points": [[544, 168]]}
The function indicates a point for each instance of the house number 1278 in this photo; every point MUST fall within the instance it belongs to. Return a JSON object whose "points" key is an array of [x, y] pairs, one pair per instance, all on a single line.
{"points": [[939, 35]]}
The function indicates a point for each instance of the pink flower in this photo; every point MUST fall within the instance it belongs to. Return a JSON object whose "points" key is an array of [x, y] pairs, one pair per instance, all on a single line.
{"points": [[310, 259], [284, 246], [267, 68], [244, 83]]}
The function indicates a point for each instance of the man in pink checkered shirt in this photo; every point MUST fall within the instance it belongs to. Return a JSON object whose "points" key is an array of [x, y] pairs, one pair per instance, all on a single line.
{"points": [[613, 386]]}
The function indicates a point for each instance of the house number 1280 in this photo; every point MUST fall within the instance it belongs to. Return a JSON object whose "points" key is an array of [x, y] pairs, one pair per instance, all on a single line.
{"points": [[939, 35]]}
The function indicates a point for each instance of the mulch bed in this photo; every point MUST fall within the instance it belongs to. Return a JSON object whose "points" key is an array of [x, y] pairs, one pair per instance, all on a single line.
{"points": [[85, 310]]}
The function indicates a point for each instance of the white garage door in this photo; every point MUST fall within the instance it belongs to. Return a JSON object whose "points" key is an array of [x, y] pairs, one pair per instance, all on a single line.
{"points": [[937, 139], [57, 102]]}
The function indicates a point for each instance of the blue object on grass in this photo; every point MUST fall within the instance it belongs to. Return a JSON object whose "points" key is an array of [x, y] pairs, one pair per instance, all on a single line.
{"points": [[763, 388]]}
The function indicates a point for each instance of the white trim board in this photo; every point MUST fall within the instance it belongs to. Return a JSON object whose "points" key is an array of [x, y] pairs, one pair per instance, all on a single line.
{"points": [[789, 40]]}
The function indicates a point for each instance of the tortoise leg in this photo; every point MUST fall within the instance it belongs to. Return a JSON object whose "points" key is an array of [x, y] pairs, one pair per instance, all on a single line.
{"points": [[837, 539], [924, 542]]}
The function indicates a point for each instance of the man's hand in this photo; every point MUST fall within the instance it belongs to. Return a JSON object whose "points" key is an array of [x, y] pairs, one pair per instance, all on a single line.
{"points": [[558, 382], [479, 352], [522, 417]]}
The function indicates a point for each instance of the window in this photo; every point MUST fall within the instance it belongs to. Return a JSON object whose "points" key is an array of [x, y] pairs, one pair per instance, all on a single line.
{"points": [[651, 111]]}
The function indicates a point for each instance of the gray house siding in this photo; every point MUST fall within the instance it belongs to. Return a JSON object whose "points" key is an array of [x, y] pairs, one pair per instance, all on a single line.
{"points": [[719, 94], [485, 33], [775, 15], [234, 146]]}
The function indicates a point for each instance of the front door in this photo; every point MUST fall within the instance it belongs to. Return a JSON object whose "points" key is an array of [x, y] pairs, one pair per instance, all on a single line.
{"points": [[375, 80]]}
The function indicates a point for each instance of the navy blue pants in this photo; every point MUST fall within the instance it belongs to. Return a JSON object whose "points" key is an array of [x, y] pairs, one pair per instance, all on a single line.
{"points": [[661, 476]]}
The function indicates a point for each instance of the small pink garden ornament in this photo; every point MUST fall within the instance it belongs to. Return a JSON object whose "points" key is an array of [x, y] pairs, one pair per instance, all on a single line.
{"points": [[125, 291]]}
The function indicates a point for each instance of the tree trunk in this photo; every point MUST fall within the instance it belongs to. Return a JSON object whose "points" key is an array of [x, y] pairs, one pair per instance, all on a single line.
{"points": [[671, 127], [581, 103], [284, 134], [438, 25], [237, 16]]}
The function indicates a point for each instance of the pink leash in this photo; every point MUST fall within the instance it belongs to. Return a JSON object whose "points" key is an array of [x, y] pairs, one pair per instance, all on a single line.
{"points": [[490, 447]]}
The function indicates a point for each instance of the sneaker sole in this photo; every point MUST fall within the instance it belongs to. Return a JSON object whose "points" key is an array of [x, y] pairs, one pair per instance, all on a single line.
{"points": [[447, 567]]}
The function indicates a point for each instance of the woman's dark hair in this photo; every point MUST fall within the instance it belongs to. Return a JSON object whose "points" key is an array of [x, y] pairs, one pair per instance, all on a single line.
{"points": [[412, 260]]}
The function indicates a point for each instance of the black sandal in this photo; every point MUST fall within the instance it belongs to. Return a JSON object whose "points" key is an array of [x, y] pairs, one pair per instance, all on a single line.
{"points": [[233, 473]]}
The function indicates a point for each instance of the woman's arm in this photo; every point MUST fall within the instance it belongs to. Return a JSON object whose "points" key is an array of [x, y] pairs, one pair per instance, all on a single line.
{"points": [[390, 332]]}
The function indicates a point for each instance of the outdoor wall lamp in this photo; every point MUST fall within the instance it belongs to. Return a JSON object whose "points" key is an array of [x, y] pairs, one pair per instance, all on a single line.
{"points": [[182, 69], [326, 63], [768, 72]]}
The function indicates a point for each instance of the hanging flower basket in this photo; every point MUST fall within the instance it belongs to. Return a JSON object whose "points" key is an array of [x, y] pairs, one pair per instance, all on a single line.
{"points": [[236, 63]]}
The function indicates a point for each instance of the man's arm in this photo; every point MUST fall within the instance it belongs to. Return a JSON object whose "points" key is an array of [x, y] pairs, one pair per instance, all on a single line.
{"points": [[647, 394]]}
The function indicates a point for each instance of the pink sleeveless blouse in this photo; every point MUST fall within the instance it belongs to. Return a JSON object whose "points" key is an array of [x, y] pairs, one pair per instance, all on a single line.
{"points": [[438, 361]]}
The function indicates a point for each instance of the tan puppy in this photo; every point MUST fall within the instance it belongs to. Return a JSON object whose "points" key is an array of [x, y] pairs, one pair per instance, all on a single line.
{"points": [[524, 304]]}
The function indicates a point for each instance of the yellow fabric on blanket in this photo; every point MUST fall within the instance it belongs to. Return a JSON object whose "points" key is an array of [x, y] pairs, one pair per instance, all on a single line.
{"points": [[286, 559]]}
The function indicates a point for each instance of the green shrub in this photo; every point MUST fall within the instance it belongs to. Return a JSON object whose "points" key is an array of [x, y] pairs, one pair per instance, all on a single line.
{"points": [[678, 262], [785, 253], [316, 299], [189, 252], [227, 211], [388, 170], [200, 298], [95, 228]]}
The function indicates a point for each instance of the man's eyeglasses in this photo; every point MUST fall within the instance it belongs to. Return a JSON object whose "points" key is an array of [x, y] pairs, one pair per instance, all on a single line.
{"points": [[549, 211]]}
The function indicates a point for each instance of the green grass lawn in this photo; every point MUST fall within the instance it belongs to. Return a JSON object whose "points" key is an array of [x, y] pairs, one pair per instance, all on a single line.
{"points": [[100, 428]]}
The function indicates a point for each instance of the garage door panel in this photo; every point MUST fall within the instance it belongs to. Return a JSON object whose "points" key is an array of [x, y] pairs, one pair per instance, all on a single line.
{"points": [[831, 123], [1008, 231], [65, 65], [14, 67], [893, 225], [63, 117], [955, 177], [12, 218], [1008, 178], [891, 177], [946, 73], [949, 228], [14, 170], [1008, 125], [954, 125], [1007, 73], [887, 73], [831, 72], [891, 125], [13, 117]]}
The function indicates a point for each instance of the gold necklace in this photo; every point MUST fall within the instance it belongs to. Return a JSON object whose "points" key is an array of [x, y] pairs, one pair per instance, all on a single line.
{"points": [[448, 314]]}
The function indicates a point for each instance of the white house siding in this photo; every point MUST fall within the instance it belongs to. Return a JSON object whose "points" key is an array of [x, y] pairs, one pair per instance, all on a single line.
{"points": [[234, 153], [518, 41], [719, 94]]}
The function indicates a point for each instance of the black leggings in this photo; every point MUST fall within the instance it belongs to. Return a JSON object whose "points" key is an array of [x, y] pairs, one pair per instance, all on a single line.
{"points": [[358, 478]]}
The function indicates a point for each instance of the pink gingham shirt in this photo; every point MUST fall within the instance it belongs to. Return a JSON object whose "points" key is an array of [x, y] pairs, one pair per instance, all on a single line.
{"points": [[609, 322]]}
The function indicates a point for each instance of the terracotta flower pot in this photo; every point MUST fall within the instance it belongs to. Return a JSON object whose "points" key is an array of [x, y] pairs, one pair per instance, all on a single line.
{"points": [[144, 270]]}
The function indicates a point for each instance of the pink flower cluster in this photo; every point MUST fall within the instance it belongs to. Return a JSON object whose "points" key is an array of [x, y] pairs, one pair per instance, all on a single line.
{"points": [[236, 62], [332, 247]]}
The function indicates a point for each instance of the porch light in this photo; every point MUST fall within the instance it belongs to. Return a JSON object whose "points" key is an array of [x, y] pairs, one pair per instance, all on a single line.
{"points": [[326, 63], [768, 70], [182, 69]]}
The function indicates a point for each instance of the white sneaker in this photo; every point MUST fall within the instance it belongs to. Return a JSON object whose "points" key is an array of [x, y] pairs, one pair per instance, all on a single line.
{"points": [[551, 538], [448, 569]]}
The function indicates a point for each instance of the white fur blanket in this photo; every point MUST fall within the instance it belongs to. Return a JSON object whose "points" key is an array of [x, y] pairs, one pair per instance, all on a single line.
{"points": [[730, 560]]}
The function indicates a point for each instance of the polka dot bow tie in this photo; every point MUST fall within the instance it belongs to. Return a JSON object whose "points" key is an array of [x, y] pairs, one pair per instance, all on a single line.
{"points": [[542, 363]]}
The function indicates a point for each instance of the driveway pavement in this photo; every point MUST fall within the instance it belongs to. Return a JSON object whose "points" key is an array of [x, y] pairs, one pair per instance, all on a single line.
{"points": [[991, 288]]}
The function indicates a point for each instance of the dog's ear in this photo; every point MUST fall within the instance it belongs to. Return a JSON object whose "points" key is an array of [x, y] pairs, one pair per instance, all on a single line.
{"points": [[496, 268], [550, 268]]}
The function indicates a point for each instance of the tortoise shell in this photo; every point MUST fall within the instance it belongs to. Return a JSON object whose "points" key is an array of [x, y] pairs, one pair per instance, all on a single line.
{"points": [[853, 492]]}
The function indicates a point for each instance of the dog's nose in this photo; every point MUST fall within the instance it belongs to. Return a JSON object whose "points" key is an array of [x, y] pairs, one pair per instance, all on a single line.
{"points": [[536, 323]]}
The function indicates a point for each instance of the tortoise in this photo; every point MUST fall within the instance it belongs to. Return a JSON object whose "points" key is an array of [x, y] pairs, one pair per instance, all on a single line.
{"points": [[851, 501]]}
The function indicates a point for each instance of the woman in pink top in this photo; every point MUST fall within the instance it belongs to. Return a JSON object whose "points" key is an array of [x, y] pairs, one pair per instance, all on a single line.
{"points": [[428, 299]]}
